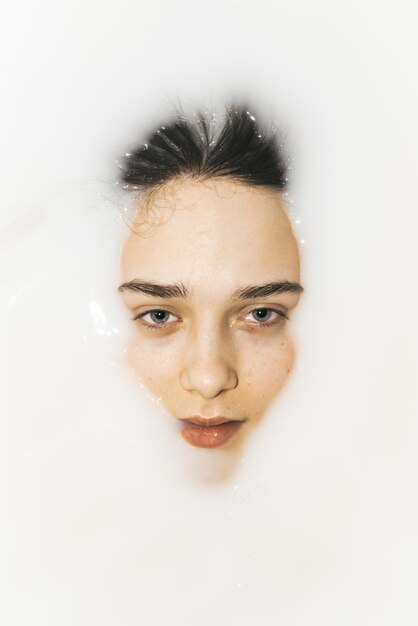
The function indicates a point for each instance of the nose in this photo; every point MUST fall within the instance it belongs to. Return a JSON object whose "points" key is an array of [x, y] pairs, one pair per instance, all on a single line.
{"points": [[209, 367]]}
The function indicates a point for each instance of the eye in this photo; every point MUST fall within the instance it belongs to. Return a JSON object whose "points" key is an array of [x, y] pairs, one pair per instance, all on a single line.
{"points": [[156, 318], [265, 316]]}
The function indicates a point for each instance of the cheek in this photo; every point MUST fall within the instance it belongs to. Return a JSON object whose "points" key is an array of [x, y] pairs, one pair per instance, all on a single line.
{"points": [[269, 368], [158, 370], [150, 366], [285, 360]]}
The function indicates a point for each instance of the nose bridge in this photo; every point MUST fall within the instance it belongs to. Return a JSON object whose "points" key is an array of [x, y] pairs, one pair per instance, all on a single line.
{"points": [[210, 361]]}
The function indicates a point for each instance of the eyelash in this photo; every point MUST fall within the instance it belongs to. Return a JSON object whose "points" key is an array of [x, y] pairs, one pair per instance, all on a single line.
{"points": [[154, 326]]}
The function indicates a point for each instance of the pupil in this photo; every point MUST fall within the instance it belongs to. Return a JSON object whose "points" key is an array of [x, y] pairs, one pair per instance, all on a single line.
{"points": [[262, 313], [158, 316]]}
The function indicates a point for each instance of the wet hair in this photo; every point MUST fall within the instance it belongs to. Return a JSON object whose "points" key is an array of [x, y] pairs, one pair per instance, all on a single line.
{"points": [[199, 147]]}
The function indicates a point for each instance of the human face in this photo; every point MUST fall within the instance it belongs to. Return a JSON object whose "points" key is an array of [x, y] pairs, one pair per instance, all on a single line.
{"points": [[211, 284]]}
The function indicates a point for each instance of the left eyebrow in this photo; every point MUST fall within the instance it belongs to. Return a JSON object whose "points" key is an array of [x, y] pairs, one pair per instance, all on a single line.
{"points": [[156, 290], [268, 289]]}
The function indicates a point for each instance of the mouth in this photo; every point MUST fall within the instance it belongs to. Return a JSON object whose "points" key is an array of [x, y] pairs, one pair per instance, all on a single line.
{"points": [[209, 432]]}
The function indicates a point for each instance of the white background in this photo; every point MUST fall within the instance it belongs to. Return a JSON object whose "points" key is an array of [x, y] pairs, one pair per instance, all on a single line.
{"points": [[108, 519]]}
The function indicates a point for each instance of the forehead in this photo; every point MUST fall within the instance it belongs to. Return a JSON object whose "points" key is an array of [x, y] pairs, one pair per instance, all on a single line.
{"points": [[194, 231]]}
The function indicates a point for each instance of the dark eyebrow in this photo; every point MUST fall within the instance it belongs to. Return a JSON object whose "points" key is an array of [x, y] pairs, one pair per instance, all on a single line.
{"points": [[269, 289], [176, 290]]}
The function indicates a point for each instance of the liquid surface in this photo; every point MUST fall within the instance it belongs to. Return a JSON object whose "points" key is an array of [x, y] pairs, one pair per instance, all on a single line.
{"points": [[107, 515]]}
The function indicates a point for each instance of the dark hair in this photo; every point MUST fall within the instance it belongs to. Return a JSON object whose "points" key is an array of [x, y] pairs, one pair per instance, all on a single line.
{"points": [[200, 148]]}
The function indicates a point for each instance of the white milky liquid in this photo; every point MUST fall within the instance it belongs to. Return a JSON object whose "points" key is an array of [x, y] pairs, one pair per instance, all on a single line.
{"points": [[107, 517]]}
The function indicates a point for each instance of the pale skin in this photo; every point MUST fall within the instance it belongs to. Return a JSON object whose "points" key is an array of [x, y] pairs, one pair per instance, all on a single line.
{"points": [[213, 348]]}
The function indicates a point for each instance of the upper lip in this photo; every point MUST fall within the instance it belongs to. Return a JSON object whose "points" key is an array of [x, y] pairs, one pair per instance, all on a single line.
{"points": [[208, 421]]}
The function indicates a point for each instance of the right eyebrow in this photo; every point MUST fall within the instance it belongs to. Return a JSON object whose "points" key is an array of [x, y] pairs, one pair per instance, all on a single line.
{"points": [[174, 290], [266, 290]]}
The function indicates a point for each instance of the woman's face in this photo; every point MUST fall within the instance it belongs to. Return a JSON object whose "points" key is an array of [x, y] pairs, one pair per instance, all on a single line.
{"points": [[211, 275]]}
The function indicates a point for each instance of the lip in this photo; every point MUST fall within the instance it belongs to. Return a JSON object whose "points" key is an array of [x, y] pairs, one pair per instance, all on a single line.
{"points": [[212, 432], [208, 421]]}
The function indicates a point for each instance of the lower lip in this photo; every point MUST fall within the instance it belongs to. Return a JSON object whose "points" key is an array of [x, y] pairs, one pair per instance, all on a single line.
{"points": [[210, 436]]}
